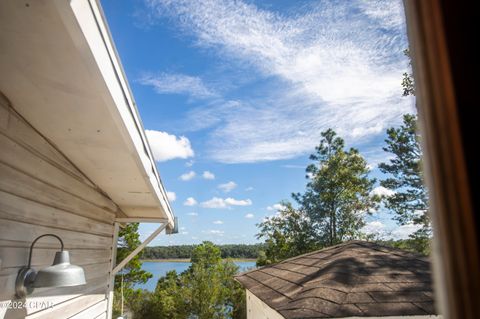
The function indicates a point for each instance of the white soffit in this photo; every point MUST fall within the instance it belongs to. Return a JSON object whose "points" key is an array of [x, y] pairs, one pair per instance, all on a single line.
{"points": [[60, 70]]}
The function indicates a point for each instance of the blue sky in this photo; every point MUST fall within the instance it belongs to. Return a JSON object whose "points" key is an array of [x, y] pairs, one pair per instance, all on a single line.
{"points": [[234, 96]]}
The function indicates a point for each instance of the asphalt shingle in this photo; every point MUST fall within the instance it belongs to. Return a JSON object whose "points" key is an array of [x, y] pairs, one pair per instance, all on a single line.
{"points": [[351, 279]]}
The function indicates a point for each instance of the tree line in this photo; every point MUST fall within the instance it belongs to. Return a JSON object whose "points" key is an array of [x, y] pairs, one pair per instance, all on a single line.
{"points": [[185, 251]]}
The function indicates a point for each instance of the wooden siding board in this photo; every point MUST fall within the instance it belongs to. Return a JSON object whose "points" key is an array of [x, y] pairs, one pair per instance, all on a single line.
{"points": [[92, 311], [69, 308], [22, 185], [14, 257], [14, 126], [17, 208], [28, 163], [102, 316], [28, 232]]}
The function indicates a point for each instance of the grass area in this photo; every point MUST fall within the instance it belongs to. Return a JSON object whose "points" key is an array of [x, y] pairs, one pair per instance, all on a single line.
{"points": [[187, 260]]}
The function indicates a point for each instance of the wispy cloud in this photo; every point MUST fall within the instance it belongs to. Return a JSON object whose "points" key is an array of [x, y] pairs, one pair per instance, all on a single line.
{"points": [[228, 187], [176, 83], [214, 232], [249, 216], [275, 207], [208, 175], [217, 202], [190, 202], [194, 214], [218, 222], [166, 146], [326, 64], [171, 196], [188, 176]]}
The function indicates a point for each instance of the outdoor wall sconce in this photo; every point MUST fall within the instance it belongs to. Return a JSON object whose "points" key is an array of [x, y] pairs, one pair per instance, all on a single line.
{"points": [[60, 274]]}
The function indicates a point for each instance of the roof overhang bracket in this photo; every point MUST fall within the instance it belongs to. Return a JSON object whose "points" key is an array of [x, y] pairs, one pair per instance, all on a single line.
{"points": [[135, 252]]}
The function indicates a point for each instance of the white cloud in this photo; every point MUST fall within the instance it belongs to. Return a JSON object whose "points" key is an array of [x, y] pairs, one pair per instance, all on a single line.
{"points": [[249, 189], [175, 83], [171, 196], [276, 207], [188, 176], [332, 64], [166, 146], [189, 163], [402, 232], [382, 191], [190, 202], [228, 187], [208, 175], [384, 231], [218, 222], [235, 202], [249, 216], [217, 202], [192, 214], [374, 228], [214, 232]]}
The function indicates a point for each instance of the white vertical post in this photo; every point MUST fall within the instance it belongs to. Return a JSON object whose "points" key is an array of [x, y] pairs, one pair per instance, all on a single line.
{"points": [[113, 261]]}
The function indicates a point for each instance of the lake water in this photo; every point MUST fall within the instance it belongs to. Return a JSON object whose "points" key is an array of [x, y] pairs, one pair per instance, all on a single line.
{"points": [[160, 269]]}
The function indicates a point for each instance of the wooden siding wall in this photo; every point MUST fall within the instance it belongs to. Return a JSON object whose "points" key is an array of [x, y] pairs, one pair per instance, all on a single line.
{"points": [[42, 192]]}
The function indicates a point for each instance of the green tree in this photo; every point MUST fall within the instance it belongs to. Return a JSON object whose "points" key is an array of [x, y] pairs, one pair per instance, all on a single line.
{"points": [[410, 199], [206, 290], [408, 84], [209, 285], [165, 302], [132, 273], [287, 234], [128, 240], [338, 193]]}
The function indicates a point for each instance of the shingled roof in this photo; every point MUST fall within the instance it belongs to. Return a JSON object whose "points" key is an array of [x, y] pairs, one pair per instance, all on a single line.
{"points": [[352, 279]]}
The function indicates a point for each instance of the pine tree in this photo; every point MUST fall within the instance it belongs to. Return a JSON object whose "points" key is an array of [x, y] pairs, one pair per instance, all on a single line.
{"points": [[128, 240], [410, 199], [338, 194]]}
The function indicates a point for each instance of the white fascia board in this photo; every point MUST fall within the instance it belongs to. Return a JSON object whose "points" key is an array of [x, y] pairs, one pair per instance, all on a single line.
{"points": [[91, 20]]}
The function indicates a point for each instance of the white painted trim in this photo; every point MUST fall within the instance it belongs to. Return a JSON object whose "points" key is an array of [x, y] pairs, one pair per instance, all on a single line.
{"points": [[112, 275], [159, 188], [138, 249]]}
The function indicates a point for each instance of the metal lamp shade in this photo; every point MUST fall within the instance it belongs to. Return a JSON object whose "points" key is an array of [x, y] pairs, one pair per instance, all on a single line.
{"points": [[60, 274]]}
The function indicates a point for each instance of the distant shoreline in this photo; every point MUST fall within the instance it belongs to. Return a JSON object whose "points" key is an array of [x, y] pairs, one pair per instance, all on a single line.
{"points": [[187, 260]]}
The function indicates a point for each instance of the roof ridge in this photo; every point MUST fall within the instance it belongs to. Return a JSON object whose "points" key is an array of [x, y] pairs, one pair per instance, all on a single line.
{"points": [[350, 242], [393, 250]]}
